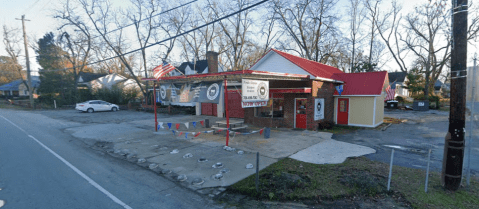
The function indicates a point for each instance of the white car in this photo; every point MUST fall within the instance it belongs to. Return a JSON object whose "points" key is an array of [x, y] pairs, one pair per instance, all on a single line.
{"points": [[96, 105]]}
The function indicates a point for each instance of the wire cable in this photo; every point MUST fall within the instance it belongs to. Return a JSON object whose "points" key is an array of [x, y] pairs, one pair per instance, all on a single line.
{"points": [[172, 37]]}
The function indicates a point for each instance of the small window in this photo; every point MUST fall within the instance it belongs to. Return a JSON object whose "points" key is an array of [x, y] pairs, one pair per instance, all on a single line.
{"points": [[274, 108], [343, 106]]}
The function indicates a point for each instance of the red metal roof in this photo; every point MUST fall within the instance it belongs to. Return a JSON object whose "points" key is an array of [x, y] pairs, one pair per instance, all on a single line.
{"points": [[370, 83], [314, 68]]}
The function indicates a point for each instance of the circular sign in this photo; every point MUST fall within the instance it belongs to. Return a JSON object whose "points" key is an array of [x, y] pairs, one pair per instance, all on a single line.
{"points": [[262, 91], [163, 92], [213, 91]]}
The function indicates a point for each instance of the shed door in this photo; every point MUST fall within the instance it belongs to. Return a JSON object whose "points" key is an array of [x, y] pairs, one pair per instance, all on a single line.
{"points": [[209, 109], [343, 110], [300, 113], [234, 105]]}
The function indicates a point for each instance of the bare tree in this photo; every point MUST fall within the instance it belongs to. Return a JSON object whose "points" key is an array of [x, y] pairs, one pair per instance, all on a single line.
{"points": [[387, 26], [356, 19], [12, 39], [373, 12], [234, 31], [78, 43], [309, 24], [102, 19]]}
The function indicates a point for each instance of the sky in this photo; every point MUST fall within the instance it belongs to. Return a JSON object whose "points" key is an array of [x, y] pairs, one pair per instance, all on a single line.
{"points": [[39, 12]]}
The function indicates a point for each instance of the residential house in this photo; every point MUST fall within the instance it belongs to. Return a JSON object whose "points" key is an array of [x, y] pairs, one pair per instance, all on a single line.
{"points": [[111, 80], [438, 87], [84, 78], [400, 79], [18, 88], [198, 67]]}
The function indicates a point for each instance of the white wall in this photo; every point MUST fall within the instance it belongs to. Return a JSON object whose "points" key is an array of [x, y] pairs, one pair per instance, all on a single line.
{"points": [[274, 62]]}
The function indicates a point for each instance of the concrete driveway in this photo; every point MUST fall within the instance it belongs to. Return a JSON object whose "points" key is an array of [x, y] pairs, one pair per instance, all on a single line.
{"points": [[412, 140]]}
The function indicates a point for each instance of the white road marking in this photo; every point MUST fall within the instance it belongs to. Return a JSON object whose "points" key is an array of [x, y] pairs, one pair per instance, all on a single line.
{"points": [[93, 183], [2, 203]]}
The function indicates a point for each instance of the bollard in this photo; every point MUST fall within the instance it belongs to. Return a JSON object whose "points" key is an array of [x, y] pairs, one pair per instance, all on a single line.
{"points": [[427, 170], [267, 132], [390, 170], [207, 123], [257, 171], [55, 103]]}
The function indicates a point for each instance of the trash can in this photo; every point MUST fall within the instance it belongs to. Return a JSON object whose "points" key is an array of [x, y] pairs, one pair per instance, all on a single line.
{"points": [[266, 133], [392, 104], [420, 105]]}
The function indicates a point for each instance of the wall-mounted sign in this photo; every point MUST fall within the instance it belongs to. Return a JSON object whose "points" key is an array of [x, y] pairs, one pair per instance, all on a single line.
{"points": [[253, 104], [420, 104], [318, 108], [255, 93], [209, 92]]}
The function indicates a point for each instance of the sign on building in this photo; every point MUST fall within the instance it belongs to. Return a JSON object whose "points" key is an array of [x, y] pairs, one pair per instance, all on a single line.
{"points": [[318, 108], [209, 92], [255, 93]]}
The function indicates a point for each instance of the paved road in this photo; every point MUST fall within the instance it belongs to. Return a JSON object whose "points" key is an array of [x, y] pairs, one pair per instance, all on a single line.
{"points": [[42, 167], [412, 140]]}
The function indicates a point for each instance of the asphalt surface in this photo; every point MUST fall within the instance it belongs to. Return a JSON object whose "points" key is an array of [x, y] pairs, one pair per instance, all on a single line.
{"points": [[43, 167], [412, 140]]}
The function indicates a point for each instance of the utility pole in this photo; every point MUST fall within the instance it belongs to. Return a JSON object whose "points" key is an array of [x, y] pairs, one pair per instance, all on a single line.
{"points": [[27, 59], [471, 122], [454, 142]]}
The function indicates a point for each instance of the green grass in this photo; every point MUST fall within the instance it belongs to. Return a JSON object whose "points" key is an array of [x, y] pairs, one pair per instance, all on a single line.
{"points": [[355, 177], [341, 129]]}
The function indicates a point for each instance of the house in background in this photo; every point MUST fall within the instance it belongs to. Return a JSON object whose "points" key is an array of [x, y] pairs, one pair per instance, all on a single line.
{"points": [[111, 80], [400, 78], [198, 67], [18, 88], [84, 79], [438, 87]]}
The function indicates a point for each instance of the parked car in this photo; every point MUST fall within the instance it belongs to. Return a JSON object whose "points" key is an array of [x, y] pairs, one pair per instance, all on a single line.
{"points": [[96, 105]]}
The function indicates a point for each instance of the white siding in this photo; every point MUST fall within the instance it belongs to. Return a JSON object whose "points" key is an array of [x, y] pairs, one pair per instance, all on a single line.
{"points": [[189, 71], [274, 62]]}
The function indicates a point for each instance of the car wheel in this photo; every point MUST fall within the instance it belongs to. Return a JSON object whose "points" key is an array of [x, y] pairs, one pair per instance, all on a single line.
{"points": [[114, 109], [90, 110]]}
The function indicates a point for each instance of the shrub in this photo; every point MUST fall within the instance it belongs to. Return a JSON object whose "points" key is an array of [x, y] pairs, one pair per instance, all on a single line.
{"points": [[325, 124]]}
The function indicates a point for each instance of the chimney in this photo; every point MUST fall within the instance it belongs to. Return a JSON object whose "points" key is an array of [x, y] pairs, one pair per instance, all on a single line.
{"points": [[212, 59]]}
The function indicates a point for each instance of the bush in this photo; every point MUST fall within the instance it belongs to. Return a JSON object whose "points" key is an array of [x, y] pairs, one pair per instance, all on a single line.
{"points": [[325, 124]]}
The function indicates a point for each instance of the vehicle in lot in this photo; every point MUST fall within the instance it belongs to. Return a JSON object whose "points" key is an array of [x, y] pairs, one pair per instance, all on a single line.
{"points": [[96, 105]]}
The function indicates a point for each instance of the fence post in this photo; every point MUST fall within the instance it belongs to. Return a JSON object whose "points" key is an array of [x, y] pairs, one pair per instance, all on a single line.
{"points": [[257, 171], [55, 103], [427, 171], [390, 169]]}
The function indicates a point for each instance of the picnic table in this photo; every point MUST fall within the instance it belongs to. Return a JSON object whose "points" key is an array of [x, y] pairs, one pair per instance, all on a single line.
{"points": [[234, 125]]}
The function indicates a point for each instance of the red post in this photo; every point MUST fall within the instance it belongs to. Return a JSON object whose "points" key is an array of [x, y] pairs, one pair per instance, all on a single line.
{"points": [[154, 106], [227, 115]]}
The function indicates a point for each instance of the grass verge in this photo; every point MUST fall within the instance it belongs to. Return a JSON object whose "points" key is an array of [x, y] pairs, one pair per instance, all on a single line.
{"points": [[291, 180]]}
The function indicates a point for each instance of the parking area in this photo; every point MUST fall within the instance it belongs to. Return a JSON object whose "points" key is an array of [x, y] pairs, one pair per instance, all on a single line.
{"points": [[413, 138]]}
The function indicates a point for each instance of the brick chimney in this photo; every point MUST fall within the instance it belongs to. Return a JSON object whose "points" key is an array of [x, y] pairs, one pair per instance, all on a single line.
{"points": [[212, 59]]}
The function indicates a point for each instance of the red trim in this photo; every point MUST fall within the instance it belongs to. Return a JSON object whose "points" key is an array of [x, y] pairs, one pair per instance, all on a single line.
{"points": [[238, 72], [154, 105], [302, 90]]}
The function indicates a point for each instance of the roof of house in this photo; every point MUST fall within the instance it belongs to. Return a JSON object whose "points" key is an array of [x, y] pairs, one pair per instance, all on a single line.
{"points": [[314, 68], [438, 85], [87, 77], [199, 66], [397, 76], [13, 86], [370, 83]]}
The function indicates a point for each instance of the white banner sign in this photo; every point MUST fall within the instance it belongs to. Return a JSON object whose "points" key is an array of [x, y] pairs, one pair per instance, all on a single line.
{"points": [[318, 108], [254, 92], [253, 104]]}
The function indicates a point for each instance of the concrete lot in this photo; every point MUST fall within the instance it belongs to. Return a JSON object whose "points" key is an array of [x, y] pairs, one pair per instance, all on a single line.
{"points": [[130, 135]]}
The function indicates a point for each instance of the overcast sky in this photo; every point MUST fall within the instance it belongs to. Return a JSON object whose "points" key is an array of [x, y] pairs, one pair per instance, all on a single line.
{"points": [[39, 13]]}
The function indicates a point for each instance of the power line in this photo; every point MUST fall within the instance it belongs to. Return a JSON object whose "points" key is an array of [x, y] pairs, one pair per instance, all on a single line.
{"points": [[172, 37], [169, 10]]}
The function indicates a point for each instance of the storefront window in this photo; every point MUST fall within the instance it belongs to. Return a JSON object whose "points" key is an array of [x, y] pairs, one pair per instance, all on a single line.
{"points": [[274, 108]]}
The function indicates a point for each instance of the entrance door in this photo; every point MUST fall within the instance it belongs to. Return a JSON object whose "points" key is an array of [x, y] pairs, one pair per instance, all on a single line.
{"points": [[300, 113], [343, 110]]}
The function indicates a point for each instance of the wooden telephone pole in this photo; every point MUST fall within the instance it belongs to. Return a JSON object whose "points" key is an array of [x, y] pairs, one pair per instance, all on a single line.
{"points": [[27, 59], [454, 143]]}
